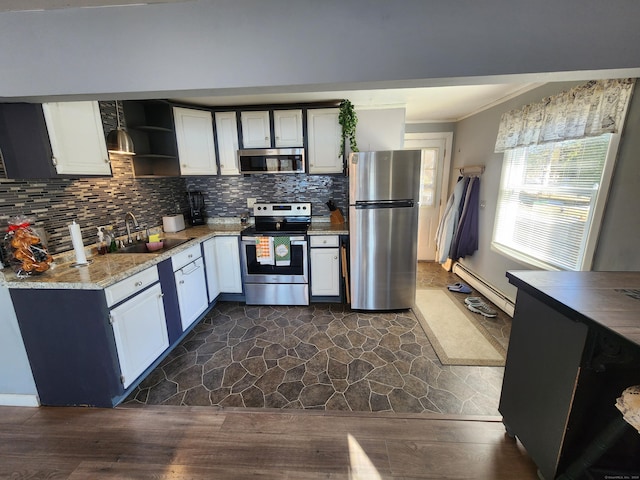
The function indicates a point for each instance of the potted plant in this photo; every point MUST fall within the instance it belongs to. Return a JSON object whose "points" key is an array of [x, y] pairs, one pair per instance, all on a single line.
{"points": [[348, 121]]}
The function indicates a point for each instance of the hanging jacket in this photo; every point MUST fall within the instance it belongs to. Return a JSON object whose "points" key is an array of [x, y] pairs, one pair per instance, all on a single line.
{"points": [[466, 241], [449, 221]]}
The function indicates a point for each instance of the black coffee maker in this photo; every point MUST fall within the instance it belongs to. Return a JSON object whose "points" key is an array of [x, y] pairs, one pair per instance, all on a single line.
{"points": [[196, 213]]}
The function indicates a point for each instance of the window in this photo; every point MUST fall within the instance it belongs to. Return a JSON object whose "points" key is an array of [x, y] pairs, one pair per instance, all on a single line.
{"points": [[551, 200], [428, 177]]}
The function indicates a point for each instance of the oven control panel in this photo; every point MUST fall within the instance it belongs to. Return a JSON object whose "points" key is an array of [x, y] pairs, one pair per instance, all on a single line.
{"points": [[282, 209]]}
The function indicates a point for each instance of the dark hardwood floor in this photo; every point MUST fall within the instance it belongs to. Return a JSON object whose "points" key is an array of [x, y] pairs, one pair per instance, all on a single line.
{"points": [[180, 443]]}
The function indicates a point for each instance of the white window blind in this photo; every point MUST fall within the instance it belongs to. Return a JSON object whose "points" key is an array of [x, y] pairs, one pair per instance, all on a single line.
{"points": [[547, 200]]}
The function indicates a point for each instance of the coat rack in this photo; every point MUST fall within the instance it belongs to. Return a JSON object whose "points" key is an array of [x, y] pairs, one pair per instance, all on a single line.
{"points": [[472, 170]]}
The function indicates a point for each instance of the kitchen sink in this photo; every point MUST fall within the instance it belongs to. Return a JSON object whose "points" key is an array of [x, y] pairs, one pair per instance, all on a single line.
{"points": [[141, 247]]}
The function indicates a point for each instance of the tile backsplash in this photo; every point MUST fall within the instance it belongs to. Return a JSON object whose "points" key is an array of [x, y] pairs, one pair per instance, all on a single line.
{"points": [[226, 196], [54, 204]]}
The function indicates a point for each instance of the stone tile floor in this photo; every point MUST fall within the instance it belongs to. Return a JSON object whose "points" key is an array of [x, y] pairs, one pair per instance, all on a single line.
{"points": [[324, 356]]}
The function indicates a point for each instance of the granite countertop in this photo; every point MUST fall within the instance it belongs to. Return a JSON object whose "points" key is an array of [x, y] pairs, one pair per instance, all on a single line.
{"points": [[327, 228], [611, 299], [105, 270]]}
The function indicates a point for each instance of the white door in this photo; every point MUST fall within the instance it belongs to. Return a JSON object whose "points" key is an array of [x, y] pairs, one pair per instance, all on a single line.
{"points": [[255, 130], [433, 187], [77, 138], [228, 264], [324, 133], [325, 271], [288, 128], [227, 134], [213, 287], [140, 331], [192, 292], [194, 135]]}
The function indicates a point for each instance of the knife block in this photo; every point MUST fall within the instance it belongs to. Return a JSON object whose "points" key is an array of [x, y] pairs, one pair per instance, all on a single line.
{"points": [[336, 216]]}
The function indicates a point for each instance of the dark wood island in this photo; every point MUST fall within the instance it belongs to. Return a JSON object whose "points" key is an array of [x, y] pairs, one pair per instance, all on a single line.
{"points": [[574, 348]]}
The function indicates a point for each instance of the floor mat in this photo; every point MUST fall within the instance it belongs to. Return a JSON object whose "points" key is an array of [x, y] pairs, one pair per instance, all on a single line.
{"points": [[456, 336]]}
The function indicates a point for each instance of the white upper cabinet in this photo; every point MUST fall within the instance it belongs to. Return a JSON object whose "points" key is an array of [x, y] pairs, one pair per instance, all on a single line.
{"points": [[256, 132], [194, 135], [324, 134], [288, 128], [77, 138], [227, 136]]}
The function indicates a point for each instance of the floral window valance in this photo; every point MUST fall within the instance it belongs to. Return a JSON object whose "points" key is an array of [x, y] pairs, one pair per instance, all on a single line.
{"points": [[587, 110]]}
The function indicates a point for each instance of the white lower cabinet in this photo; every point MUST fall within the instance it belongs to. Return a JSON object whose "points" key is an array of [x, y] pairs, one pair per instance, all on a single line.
{"points": [[227, 255], [213, 286], [140, 331], [324, 254], [191, 285]]}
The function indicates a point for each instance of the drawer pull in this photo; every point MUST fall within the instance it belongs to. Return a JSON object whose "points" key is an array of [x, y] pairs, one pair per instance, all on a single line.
{"points": [[137, 284]]}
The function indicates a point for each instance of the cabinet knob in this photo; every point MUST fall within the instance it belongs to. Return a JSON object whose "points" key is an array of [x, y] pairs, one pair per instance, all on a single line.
{"points": [[137, 284], [181, 282], [106, 160], [335, 258], [190, 256], [54, 160]]}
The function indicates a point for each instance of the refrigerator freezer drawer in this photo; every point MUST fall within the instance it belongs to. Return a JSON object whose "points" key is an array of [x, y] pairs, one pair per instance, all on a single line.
{"points": [[383, 245]]}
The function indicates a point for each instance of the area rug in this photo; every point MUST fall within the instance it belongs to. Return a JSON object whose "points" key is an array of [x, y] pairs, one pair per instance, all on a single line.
{"points": [[457, 337]]}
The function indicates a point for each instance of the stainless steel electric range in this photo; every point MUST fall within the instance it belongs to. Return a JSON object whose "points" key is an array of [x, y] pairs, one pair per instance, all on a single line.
{"points": [[274, 255]]}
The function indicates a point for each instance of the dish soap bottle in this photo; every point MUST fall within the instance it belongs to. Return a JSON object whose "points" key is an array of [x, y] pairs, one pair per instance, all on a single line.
{"points": [[111, 244], [102, 245]]}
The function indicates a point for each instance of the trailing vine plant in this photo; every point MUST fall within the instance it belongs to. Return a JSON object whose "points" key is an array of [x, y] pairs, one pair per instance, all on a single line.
{"points": [[348, 121]]}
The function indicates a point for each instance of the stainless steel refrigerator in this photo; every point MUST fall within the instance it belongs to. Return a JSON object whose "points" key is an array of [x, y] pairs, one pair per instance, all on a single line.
{"points": [[384, 189]]}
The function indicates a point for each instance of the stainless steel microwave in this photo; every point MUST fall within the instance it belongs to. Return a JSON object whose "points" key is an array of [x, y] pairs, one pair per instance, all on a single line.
{"points": [[271, 160]]}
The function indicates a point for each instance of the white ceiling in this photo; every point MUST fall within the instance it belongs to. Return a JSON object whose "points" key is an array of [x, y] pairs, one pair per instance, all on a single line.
{"points": [[432, 104]]}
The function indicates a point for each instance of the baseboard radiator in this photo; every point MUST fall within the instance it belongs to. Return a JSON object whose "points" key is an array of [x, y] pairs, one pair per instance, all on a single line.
{"points": [[496, 297]]}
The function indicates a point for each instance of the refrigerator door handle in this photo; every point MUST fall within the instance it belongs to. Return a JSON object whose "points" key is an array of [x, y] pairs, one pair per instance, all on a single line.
{"points": [[360, 205]]}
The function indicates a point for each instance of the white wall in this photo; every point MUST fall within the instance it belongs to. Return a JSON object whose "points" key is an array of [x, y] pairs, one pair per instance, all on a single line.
{"points": [[207, 46], [381, 129], [17, 386]]}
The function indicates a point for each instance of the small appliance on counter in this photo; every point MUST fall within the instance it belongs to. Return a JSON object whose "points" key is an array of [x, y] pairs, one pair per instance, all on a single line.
{"points": [[196, 214], [173, 223]]}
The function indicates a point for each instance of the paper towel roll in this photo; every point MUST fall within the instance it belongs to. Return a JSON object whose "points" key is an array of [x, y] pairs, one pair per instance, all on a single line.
{"points": [[76, 240]]}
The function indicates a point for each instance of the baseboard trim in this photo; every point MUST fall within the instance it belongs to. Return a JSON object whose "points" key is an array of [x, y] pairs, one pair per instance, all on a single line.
{"points": [[496, 297], [18, 400]]}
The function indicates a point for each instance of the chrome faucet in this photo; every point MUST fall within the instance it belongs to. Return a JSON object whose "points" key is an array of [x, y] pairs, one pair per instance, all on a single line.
{"points": [[131, 216]]}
